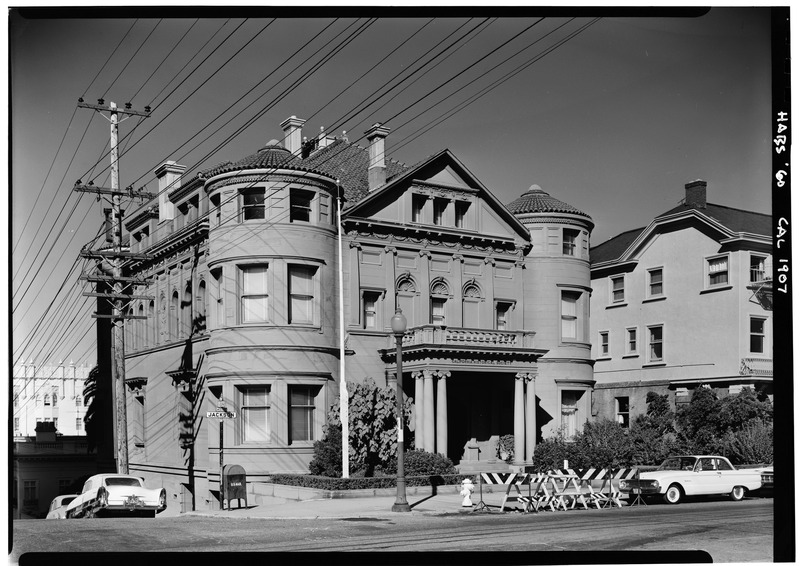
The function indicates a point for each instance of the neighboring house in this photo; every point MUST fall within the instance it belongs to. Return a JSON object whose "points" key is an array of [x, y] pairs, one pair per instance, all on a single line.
{"points": [[48, 394], [44, 466], [245, 313], [682, 303]]}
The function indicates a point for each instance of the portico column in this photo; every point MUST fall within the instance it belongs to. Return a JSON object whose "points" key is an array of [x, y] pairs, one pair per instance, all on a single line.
{"points": [[530, 417], [519, 418], [441, 413], [356, 311], [391, 285], [419, 411], [428, 415]]}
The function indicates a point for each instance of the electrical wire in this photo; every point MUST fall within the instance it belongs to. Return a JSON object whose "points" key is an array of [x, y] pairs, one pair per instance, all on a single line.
{"points": [[144, 41]]}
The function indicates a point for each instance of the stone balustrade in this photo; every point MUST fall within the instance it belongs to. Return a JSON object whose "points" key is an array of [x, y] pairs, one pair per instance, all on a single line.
{"points": [[445, 336]]}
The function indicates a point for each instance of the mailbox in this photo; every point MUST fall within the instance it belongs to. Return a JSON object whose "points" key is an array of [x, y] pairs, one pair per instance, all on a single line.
{"points": [[234, 485]]}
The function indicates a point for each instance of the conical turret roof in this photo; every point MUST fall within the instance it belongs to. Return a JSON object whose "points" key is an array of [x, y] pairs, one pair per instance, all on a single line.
{"points": [[271, 156], [535, 200]]}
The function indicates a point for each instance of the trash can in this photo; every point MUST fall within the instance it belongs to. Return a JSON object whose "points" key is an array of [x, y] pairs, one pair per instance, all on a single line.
{"points": [[234, 485]]}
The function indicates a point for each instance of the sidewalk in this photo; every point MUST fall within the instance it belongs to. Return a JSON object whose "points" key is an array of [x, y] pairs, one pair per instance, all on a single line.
{"points": [[352, 508]]}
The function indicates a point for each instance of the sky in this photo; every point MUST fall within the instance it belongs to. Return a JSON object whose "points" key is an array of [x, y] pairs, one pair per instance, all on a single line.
{"points": [[614, 118]]}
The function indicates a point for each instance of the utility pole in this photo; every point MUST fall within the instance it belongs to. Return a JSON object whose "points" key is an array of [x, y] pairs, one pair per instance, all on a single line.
{"points": [[116, 257]]}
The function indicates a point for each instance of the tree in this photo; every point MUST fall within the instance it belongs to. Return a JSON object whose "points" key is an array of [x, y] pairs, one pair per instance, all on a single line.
{"points": [[603, 444], [373, 428], [653, 435], [740, 410]]}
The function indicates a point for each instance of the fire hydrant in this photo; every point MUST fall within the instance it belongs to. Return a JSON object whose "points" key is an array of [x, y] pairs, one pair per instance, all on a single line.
{"points": [[466, 491]]}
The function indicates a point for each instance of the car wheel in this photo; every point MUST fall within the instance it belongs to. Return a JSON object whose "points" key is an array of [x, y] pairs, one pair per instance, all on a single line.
{"points": [[737, 493], [102, 497], [674, 494], [162, 500]]}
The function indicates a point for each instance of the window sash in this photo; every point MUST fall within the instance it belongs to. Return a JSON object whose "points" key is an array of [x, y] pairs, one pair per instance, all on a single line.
{"points": [[437, 311], [301, 294], [656, 344], [656, 282], [255, 414], [632, 345], [618, 289], [370, 310], [254, 294], [301, 425], [300, 206], [718, 271], [569, 316], [253, 204], [757, 335], [569, 242], [604, 343]]}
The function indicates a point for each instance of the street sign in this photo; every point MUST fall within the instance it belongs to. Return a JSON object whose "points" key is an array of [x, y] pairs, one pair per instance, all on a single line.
{"points": [[220, 415]]}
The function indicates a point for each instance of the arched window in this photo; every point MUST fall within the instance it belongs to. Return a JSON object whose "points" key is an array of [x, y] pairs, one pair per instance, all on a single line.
{"points": [[141, 328], [470, 306], [440, 292], [186, 311], [200, 311], [406, 297], [151, 324], [175, 316]]}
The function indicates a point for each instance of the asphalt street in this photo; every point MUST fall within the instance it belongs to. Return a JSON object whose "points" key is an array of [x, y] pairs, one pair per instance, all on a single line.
{"points": [[727, 531]]}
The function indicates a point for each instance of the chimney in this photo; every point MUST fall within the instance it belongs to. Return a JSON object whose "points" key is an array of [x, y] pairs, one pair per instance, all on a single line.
{"points": [[377, 164], [292, 134], [45, 431], [696, 194], [169, 178]]}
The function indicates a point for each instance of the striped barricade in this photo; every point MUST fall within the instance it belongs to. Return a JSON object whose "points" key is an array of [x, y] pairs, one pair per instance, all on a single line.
{"points": [[511, 480]]}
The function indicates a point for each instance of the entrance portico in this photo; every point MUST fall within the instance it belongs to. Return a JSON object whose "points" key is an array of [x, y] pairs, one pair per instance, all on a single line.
{"points": [[470, 385]]}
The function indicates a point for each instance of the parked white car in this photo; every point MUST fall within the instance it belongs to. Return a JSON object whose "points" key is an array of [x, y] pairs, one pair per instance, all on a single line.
{"points": [[106, 494], [58, 507], [679, 476]]}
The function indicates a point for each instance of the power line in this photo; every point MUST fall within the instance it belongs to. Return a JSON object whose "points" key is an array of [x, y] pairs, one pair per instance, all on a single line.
{"points": [[132, 57]]}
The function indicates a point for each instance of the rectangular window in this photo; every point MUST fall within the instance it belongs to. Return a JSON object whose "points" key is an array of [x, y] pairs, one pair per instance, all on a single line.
{"points": [[301, 294], [417, 205], [253, 207], [30, 492], [604, 344], [300, 205], [632, 347], [254, 293], [371, 309], [438, 310], [78, 400], [569, 241], [79, 423], [569, 315], [618, 289], [655, 286], [757, 335], [718, 271], [501, 316], [439, 206], [758, 270], [656, 334], [623, 411], [255, 414], [301, 408], [461, 213], [16, 425], [569, 412]]}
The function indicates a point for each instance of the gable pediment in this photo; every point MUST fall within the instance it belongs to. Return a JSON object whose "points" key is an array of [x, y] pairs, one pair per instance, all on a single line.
{"points": [[440, 195]]}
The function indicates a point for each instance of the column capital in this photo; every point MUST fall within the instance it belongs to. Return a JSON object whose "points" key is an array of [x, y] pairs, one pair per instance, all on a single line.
{"points": [[427, 373], [442, 374], [489, 261], [416, 375], [356, 245], [458, 257], [425, 253], [526, 376], [390, 250]]}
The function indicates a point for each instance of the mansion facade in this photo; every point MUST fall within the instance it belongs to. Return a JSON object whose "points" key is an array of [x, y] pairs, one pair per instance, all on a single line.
{"points": [[265, 273]]}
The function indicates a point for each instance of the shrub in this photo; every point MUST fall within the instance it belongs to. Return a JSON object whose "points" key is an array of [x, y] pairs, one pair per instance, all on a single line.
{"points": [[602, 444], [551, 453], [327, 460], [421, 463], [752, 444], [385, 482]]}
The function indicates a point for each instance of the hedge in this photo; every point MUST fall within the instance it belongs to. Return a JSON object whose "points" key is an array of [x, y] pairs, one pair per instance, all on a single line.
{"points": [[336, 484]]}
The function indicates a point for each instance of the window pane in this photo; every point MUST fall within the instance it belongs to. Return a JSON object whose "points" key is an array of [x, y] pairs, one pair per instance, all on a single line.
{"points": [[301, 296], [656, 282], [300, 206], [253, 204], [569, 241], [370, 314], [301, 423], [255, 280], [254, 294], [254, 424], [437, 311], [718, 271], [656, 344], [757, 325]]}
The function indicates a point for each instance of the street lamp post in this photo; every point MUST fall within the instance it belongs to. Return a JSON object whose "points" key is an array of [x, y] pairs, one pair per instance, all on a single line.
{"points": [[399, 329]]}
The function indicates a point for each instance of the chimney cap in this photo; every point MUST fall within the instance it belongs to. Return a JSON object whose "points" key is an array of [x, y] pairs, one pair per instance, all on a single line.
{"points": [[377, 130], [696, 183]]}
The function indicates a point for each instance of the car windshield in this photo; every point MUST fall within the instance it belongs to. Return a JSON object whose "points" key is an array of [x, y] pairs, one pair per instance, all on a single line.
{"points": [[677, 464], [123, 481]]}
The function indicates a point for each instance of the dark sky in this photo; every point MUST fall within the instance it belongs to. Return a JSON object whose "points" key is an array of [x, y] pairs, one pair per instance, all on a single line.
{"points": [[614, 120]]}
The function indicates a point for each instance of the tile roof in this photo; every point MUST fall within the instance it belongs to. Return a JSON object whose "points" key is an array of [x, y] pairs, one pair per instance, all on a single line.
{"points": [[268, 157], [613, 248], [536, 200], [348, 163]]}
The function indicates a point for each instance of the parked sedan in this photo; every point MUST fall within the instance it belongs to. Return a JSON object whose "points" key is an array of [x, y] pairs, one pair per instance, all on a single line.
{"points": [[106, 494], [679, 476], [58, 507]]}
